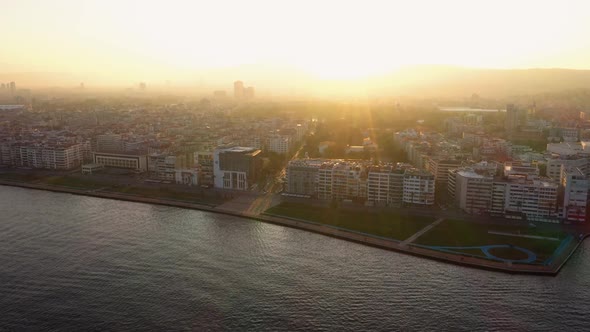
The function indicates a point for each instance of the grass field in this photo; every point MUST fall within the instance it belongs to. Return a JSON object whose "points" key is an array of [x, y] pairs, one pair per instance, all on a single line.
{"points": [[395, 226], [457, 233], [72, 182], [90, 183], [166, 193], [18, 177]]}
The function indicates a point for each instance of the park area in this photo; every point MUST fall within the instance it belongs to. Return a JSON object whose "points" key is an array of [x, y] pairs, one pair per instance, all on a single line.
{"points": [[519, 244], [391, 225], [504, 243], [117, 184]]}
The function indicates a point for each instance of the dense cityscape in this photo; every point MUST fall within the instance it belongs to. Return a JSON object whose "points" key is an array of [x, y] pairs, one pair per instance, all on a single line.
{"points": [[217, 143], [294, 165]]}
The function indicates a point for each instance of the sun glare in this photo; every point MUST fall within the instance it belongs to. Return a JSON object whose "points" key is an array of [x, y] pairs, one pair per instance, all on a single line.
{"points": [[327, 39]]}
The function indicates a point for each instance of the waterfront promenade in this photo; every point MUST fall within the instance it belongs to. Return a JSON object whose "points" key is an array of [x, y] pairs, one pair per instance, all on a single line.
{"points": [[253, 207]]}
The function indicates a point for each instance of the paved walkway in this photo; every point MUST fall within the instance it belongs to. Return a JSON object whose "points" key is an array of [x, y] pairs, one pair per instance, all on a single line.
{"points": [[419, 233], [252, 205], [525, 236]]}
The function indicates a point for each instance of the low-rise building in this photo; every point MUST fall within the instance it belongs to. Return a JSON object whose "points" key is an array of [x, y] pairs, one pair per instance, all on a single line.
{"points": [[136, 162], [236, 167]]}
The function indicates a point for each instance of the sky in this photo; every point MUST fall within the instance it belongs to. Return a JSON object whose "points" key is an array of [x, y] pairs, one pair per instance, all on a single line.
{"points": [[333, 40]]}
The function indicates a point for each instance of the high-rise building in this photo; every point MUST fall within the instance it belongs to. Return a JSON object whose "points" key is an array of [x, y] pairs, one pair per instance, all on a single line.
{"points": [[142, 86], [12, 87], [238, 89], [511, 118]]}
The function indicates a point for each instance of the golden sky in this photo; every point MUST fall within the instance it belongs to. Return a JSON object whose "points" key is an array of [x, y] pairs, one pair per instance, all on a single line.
{"points": [[327, 39]]}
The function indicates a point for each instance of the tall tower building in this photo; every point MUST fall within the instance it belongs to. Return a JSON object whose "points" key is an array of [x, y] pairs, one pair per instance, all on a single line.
{"points": [[511, 118], [12, 87], [238, 89]]}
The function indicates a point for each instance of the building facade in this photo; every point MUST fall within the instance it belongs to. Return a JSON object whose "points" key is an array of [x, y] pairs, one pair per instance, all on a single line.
{"points": [[136, 162], [236, 168]]}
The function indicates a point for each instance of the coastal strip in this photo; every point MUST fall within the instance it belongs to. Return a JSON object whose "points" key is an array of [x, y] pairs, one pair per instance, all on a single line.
{"points": [[327, 230]]}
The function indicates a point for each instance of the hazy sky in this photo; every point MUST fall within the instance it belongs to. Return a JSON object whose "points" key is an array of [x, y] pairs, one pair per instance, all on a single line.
{"points": [[329, 39]]}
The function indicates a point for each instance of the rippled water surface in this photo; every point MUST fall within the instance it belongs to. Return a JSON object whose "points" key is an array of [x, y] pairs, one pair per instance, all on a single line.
{"points": [[78, 263]]}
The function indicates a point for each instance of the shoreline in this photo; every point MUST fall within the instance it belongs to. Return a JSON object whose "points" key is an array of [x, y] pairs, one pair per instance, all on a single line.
{"points": [[327, 230]]}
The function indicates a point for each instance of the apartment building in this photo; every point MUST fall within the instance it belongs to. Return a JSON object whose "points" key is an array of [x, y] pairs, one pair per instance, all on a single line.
{"points": [[278, 144], [471, 189], [419, 187], [340, 179], [440, 168], [385, 184], [520, 195], [48, 156], [575, 190], [302, 176]]}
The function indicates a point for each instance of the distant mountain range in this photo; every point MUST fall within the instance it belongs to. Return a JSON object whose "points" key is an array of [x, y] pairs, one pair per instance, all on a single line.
{"points": [[420, 81]]}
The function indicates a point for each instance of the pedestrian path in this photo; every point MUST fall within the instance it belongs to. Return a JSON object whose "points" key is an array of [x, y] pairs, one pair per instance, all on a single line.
{"points": [[422, 231], [253, 205]]}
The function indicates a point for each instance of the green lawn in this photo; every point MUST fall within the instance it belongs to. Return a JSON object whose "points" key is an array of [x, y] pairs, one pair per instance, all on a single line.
{"points": [[90, 183], [73, 182], [457, 233], [19, 177], [166, 193], [389, 225]]}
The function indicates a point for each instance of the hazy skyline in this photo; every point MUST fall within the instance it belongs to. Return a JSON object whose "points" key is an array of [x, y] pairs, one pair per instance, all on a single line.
{"points": [[131, 41]]}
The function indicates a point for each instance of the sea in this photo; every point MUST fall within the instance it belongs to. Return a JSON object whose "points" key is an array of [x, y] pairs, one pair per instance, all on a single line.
{"points": [[76, 263]]}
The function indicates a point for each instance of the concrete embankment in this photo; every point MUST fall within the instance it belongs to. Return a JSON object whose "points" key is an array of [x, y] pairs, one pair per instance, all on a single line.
{"points": [[327, 230]]}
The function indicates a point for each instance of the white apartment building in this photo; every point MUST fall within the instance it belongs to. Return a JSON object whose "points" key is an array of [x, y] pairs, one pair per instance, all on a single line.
{"points": [[418, 187], [48, 156], [278, 144], [534, 198], [341, 179], [554, 166], [325, 182], [348, 181], [575, 201], [471, 189], [440, 168], [302, 176], [385, 185]]}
